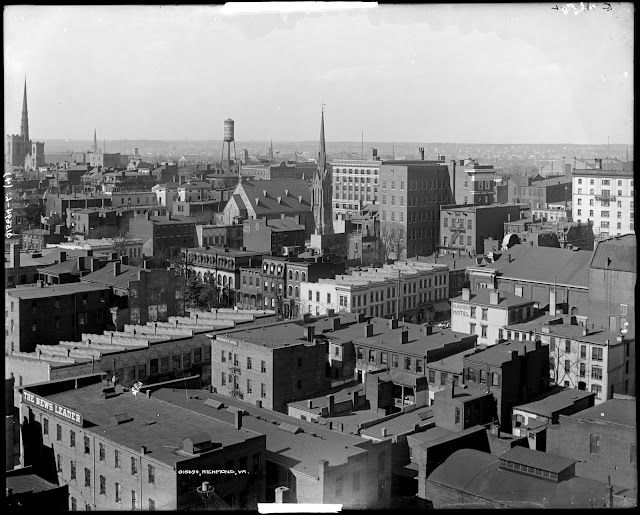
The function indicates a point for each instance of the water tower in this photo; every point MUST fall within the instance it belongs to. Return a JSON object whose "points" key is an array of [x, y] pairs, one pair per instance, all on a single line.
{"points": [[229, 138]]}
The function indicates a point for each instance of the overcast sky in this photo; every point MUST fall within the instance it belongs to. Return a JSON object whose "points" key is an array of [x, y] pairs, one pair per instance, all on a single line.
{"points": [[454, 73]]}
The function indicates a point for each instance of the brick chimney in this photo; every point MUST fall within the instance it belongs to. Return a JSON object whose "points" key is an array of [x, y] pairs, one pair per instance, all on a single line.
{"points": [[80, 260], [116, 269], [63, 257], [368, 330], [330, 399], [309, 333], [403, 336], [466, 294], [392, 323], [237, 419], [494, 297]]}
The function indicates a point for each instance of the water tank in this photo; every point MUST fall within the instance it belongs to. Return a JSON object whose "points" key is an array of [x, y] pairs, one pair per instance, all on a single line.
{"points": [[228, 130]]}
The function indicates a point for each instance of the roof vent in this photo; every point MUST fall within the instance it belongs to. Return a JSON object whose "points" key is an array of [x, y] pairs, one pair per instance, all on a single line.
{"points": [[121, 418], [291, 428], [214, 404]]}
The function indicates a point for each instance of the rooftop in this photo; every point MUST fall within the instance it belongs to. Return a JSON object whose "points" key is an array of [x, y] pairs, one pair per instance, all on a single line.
{"points": [[537, 459], [478, 473], [267, 192], [274, 337], [618, 253], [577, 332], [554, 402], [31, 292], [155, 425], [402, 424], [482, 296], [544, 265], [301, 451], [222, 251], [614, 411], [105, 276], [500, 352], [473, 208], [23, 483]]}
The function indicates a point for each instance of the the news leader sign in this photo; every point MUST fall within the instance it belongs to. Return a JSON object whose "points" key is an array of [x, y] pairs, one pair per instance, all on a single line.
{"points": [[56, 409]]}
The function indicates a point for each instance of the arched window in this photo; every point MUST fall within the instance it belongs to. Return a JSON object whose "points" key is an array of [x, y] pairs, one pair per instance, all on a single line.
{"points": [[297, 276], [290, 290], [297, 292], [304, 276], [224, 280], [219, 279], [290, 275], [230, 282]]}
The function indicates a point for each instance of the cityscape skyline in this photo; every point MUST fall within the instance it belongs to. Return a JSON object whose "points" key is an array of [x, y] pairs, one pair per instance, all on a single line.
{"points": [[498, 56]]}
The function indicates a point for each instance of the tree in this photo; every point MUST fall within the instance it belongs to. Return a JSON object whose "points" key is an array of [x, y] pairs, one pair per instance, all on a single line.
{"points": [[31, 217], [392, 238], [192, 292], [120, 244], [563, 364]]}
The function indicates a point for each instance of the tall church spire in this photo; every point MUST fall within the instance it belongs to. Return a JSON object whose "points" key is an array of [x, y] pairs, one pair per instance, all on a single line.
{"points": [[322, 189], [322, 156], [24, 127]]}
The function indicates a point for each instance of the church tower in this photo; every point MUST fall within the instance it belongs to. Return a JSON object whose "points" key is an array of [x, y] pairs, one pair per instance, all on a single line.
{"points": [[24, 126], [322, 189]]}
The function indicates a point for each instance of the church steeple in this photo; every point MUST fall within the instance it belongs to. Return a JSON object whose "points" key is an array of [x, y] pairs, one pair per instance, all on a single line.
{"points": [[322, 155], [24, 126], [95, 142], [322, 189]]}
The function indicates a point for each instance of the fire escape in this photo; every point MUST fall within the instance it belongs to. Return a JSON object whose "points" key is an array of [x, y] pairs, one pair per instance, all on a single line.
{"points": [[234, 373], [457, 229]]}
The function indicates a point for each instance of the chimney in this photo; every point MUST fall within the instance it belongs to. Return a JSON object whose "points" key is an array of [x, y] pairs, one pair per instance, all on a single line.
{"points": [[383, 431], [310, 404], [494, 297], [429, 329], [336, 323], [15, 256], [421, 150], [143, 449], [552, 302], [368, 330], [331, 312], [309, 332], [509, 257], [466, 294], [237, 419], [116, 269], [330, 398], [63, 257], [514, 354], [392, 323], [404, 336], [124, 260]]}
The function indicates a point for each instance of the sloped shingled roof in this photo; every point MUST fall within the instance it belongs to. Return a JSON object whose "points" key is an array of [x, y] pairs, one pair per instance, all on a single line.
{"points": [[288, 190], [543, 264], [616, 254]]}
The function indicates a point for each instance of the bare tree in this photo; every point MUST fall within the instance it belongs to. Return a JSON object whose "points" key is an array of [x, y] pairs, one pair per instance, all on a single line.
{"points": [[564, 366], [392, 238], [120, 244]]}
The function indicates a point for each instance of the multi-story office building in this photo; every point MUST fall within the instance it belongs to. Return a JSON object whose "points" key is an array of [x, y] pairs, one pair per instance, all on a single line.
{"points": [[472, 183], [466, 227], [408, 289], [45, 315], [603, 194], [411, 193], [486, 313], [355, 184], [248, 365], [118, 451]]}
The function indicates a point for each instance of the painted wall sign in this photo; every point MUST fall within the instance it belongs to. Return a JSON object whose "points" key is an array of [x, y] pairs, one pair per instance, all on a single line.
{"points": [[461, 310], [61, 411]]}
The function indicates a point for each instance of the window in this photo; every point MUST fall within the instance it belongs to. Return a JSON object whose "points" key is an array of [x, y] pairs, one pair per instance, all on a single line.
{"points": [[118, 492], [74, 504], [596, 353], [443, 378], [594, 444], [583, 352], [457, 415], [567, 345], [383, 358], [249, 390], [472, 328], [45, 426], [483, 377], [101, 452], [116, 459], [263, 366], [151, 474], [263, 390], [597, 389], [567, 366], [134, 500], [152, 505], [223, 379], [473, 312], [73, 469], [103, 485], [596, 373], [432, 376], [394, 359], [583, 371], [87, 445], [372, 356], [87, 477], [407, 363], [134, 466], [72, 438], [249, 364], [495, 379], [484, 331]]}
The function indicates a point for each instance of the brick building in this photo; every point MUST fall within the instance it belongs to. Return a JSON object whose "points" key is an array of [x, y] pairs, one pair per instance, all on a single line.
{"points": [[540, 193], [276, 237], [472, 183], [60, 203], [603, 441], [110, 449], [245, 365], [465, 228], [162, 237], [140, 295], [411, 193], [513, 372], [46, 315], [355, 185], [220, 236]]}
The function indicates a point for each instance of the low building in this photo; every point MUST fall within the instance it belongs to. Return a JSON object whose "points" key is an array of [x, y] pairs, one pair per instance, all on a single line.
{"points": [[276, 237], [520, 478], [409, 289], [533, 418], [513, 372], [46, 315], [246, 364], [26, 491], [38, 239], [603, 442], [486, 313], [219, 236], [117, 451], [466, 227]]}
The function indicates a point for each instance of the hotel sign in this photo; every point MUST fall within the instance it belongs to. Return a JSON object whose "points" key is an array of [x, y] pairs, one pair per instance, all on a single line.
{"points": [[461, 310], [56, 409]]}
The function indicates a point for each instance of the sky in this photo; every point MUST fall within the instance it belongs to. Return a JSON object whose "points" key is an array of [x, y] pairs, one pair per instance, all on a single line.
{"points": [[477, 73]]}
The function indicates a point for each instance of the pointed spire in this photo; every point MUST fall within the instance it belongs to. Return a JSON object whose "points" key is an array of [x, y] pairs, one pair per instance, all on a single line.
{"points": [[24, 126], [322, 155], [95, 142]]}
